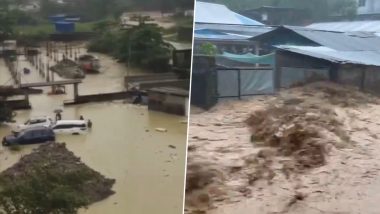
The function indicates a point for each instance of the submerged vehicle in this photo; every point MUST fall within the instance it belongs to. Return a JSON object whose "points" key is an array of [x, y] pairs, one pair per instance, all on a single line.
{"points": [[44, 121], [89, 63], [70, 127], [30, 136]]}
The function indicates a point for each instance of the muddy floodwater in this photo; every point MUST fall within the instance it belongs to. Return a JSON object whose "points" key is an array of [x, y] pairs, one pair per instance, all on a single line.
{"points": [[123, 144]]}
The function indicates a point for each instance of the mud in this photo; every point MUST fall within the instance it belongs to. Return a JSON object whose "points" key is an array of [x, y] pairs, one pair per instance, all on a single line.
{"points": [[54, 161], [310, 149]]}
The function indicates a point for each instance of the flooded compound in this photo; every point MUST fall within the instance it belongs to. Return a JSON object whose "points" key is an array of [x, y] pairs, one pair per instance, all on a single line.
{"points": [[123, 143]]}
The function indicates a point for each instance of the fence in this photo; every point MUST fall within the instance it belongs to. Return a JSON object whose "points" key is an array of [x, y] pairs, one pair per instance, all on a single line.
{"points": [[238, 82]]}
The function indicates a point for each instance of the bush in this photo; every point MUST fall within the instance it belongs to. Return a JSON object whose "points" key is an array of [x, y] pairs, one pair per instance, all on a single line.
{"points": [[106, 43], [31, 40], [209, 49]]}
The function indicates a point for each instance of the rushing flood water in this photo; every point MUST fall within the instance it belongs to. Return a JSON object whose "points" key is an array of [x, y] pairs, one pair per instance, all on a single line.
{"points": [[122, 145]]}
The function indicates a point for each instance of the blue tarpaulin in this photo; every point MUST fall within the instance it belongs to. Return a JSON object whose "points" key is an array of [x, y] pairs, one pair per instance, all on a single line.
{"points": [[251, 58], [65, 27]]}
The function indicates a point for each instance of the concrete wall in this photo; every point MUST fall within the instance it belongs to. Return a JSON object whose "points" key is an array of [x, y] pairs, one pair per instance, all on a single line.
{"points": [[370, 7], [18, 104], [169, 103], [145, 82]]}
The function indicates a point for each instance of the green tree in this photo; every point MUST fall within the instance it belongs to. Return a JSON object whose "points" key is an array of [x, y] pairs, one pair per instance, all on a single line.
{"points": [[208, 49], [143, 46], [346, 8], [319, 9]]}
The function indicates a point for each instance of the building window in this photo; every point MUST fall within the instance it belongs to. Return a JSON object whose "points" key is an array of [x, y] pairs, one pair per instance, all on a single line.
{"points": [[362, 3]]}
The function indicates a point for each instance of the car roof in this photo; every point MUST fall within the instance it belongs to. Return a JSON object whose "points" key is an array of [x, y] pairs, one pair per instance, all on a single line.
{"points": [[70, 122]]}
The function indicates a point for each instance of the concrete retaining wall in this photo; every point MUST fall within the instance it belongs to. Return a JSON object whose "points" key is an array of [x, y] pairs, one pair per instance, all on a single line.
{"points": [[168, 100]]}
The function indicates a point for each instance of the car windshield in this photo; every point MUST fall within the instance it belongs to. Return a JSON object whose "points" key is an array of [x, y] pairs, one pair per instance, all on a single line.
{"points": [[20, 134]]}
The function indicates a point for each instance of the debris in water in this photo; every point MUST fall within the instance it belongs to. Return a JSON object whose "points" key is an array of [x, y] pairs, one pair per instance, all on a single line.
{"points": [[68, 69], [161, 130], [298, 137], [173, 147], [48, 173]]}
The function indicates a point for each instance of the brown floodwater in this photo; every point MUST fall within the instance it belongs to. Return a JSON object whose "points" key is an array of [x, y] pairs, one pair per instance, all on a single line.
{"points": [[123, 144]]}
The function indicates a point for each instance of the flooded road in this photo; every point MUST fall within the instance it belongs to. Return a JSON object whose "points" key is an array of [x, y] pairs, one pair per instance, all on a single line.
{"points": [[122, 145]]}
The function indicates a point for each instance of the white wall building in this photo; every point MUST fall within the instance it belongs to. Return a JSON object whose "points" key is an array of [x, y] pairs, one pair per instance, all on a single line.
{"points": [[368, 7]]}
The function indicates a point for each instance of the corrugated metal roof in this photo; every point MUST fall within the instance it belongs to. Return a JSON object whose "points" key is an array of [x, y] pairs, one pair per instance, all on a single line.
{"points": [[180, 45], [365, 26], [342, 57], [237, 29], [340, 41], [218, 13], [207, 34], [333, 39], [223, 32]]}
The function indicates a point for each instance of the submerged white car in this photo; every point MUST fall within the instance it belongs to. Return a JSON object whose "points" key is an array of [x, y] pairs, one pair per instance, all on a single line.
{"points": [[43, 121], [70, 127]]}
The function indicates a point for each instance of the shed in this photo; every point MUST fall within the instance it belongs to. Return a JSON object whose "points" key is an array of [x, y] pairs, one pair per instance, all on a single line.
{"points": [[181, 58], [301, 36], [300, 64]]}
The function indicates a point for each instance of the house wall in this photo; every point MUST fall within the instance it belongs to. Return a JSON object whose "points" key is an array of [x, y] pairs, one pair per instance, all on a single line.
{"points": [[285, 61], [370, 7], [367, 78], [349, 74], [364, 77]]}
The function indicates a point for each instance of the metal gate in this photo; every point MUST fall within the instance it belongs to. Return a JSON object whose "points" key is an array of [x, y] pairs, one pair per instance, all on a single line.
{"points": [[238, 82]]}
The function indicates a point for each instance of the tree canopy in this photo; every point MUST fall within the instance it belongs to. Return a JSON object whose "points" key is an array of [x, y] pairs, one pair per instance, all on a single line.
{"points": [[99, 9], [140, 46], [320, 9]]}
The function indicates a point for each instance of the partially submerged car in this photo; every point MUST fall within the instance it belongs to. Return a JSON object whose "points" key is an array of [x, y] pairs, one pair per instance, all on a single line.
{"points": [[33, 135], [75, 127], [44, 121]]}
